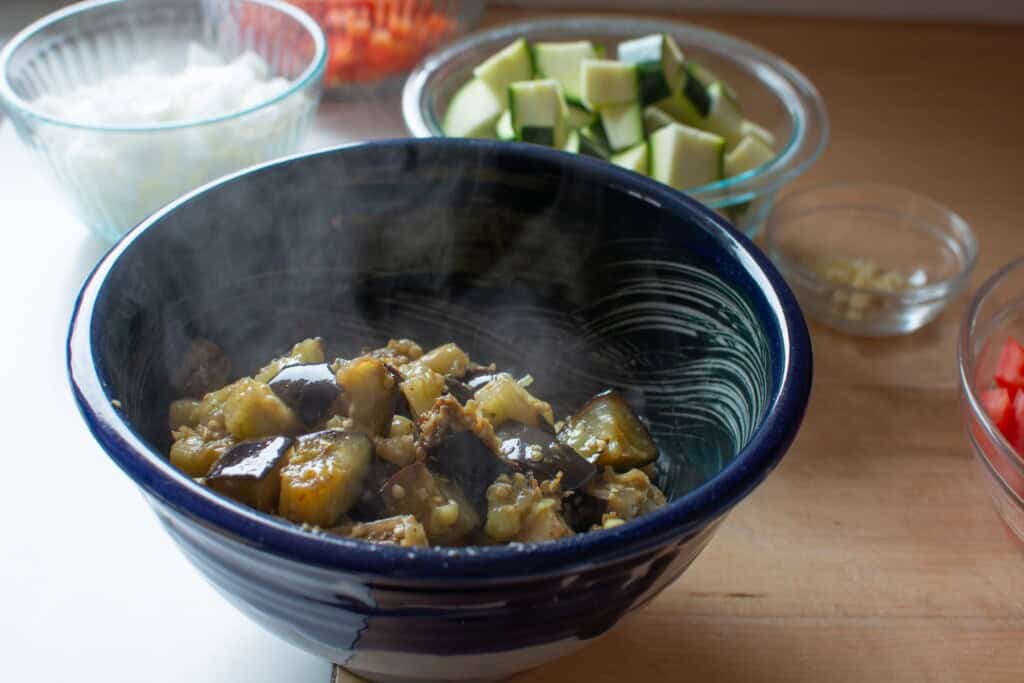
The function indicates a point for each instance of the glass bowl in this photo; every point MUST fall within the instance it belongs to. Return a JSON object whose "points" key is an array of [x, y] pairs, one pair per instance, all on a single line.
{"points": [[773, 93], [116, 175], [870, 260], [372, 44], [996, 313]]}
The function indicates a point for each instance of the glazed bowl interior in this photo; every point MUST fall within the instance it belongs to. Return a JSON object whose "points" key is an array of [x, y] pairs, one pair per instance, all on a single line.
{"points": [[579, 273]]}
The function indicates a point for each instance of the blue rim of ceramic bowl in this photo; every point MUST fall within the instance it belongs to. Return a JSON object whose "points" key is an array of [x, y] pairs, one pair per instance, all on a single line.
{"points": [[789, 340], [796, 93], [7, 95]]}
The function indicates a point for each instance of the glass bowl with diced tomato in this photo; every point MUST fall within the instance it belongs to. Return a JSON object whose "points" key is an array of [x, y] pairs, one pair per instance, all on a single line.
{"points": [[991, 357], [372, 44]]}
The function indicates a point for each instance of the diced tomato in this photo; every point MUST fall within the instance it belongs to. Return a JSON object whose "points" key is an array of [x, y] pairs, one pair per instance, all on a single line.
{"points": [[1018, 418], [1000, 410], [1010, 368]]}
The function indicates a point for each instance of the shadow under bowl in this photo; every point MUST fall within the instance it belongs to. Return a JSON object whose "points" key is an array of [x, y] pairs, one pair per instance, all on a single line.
{"points": [[583, 274]]}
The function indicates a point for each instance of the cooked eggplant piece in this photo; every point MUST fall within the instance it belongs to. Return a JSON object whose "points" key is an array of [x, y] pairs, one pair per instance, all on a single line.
{"points": [[308, 389], [447, 359], [582, 512], [518, 509], [503, 399], [607, 433], [537, 451], [252, 410], [203, 368], [370, 506], [448, 517], [466, 460], [196, 449], [324, 476], [456, 388], [403, 530], [251, 472], [627, 495], [421, 387], [306, 351], [370, 391]]}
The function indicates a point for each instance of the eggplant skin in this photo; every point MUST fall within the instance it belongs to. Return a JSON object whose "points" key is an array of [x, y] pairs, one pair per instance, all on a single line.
{"points": [[308, 389], [608, 433], [250, 472], [535, 450], [467, 461]]}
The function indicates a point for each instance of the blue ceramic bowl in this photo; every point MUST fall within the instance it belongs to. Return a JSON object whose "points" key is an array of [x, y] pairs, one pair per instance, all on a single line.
{"points": [[584, 274]]}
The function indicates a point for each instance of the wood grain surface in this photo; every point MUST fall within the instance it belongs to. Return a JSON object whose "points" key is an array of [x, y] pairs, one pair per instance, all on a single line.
{"points": [[872, 553]]}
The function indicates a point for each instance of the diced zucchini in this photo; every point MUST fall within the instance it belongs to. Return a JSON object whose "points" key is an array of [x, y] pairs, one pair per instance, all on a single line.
{"points": [[572, 142], [654, 119], [605, 81], [659, 65], [472, 112], [685, 157], [538, 112], [510, 64], [504, 127], [561, 61], [751, 129], [747, 156], [593, 141], [706, 76], [724, 118], [623, 125], [251, 472], [636, 158], [579, 117]]}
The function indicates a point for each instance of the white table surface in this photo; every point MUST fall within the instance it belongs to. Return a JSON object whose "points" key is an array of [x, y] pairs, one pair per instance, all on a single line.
{"points": [[91, 589]]}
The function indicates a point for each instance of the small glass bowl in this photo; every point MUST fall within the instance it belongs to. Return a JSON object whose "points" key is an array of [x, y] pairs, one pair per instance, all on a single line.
{"points": [[372, 45], [922, 255], [116, 175], [996, 313], [772, 92]]}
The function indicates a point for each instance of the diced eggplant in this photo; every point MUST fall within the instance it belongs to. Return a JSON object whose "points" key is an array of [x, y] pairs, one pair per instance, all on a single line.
{"points": [[252, 410], [306, 351], [583, 511], [251, 472], [194, 451], [448, 517], [539, 452], [308, 389], [324, 476], [403, 530], [466, 460], [203, 368], [456, 388], [370, 391], [421, 389], [607, 432], [370, 506], [447, 359], [504, 399]]}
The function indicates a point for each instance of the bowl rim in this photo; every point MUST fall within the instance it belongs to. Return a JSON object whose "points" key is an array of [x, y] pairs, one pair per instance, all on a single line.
{"points": [[25, 107], [792, 367], [789, 85], [968, 388], [930, 291]]}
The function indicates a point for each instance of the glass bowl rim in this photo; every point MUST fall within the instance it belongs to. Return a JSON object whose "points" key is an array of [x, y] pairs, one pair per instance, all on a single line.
{"points": [[931, 291], [795, 92], [24, 107], [967, 384]]}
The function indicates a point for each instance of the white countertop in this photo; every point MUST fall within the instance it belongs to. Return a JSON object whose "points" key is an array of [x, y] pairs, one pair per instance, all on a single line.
{"points": [[91, 587]]}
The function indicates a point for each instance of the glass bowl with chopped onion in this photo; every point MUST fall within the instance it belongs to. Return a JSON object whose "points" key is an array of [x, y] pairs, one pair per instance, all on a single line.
{"points": [[870, 260], [133, 104]]}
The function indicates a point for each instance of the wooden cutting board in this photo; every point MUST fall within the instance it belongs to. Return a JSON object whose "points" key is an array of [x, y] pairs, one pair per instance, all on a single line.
{"points": [[872, 553]]}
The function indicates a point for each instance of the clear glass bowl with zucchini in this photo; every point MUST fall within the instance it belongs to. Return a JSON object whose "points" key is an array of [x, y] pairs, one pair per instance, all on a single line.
{"points": [[718, 118]]}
